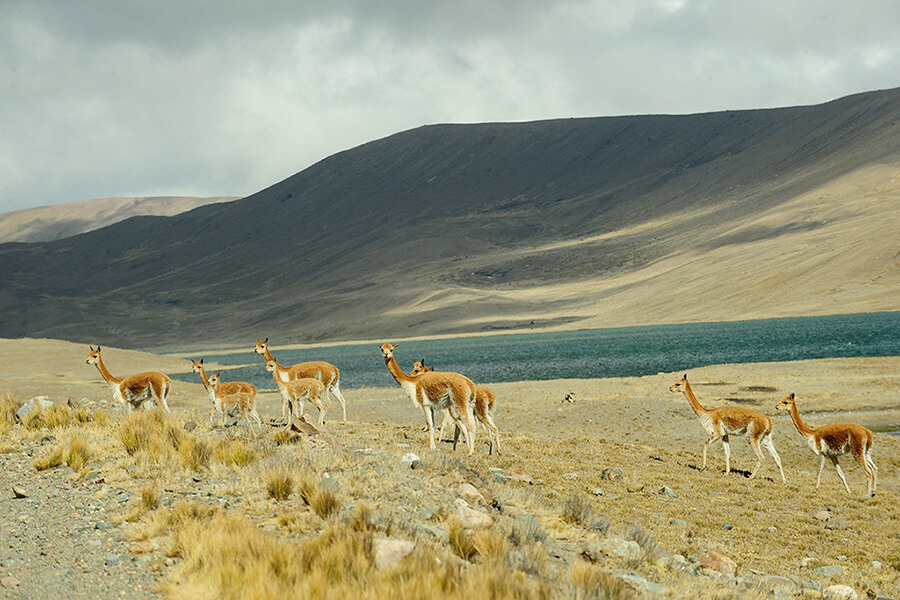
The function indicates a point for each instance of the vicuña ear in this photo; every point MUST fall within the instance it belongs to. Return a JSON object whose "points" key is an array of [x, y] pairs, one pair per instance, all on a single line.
{"points": [[792, 395], [685, 376]]}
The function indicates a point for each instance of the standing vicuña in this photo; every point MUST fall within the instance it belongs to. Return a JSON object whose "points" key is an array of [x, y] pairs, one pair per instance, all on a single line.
{"points": [[437, 391], [135, 389], [325, 372], [229, 402], [484, 410], [834, 440], [225, 389], [732, 420], [296, 391]]}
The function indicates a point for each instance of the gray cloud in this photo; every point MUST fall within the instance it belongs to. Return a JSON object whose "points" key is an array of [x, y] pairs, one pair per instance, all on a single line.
{"points": [[225, 98]]}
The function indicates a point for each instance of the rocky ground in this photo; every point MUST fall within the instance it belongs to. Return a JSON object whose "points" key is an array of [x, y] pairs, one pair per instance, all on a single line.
{"points": [[610, 480]]}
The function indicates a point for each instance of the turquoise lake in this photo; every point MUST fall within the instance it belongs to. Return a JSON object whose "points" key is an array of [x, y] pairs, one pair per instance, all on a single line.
{"points": [[621, 352]]}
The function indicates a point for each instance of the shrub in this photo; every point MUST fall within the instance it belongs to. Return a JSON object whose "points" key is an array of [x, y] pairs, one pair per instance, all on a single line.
{"points": [[324, 502], [50, 457], [78, 453], [576, 510], [195, 453], [279, 485], [9, 404]]}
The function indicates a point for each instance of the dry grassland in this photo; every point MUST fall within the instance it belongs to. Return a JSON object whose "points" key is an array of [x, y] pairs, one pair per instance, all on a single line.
{"points": [[232, 513]]}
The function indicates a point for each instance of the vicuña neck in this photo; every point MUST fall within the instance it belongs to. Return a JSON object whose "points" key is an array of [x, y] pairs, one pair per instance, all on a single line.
{"points": [[104, 372], [798, 422], [396, 372], [692, 399]]}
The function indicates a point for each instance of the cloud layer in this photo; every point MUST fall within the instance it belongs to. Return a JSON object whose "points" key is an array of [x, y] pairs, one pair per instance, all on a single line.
{"points": [[110, 98]]}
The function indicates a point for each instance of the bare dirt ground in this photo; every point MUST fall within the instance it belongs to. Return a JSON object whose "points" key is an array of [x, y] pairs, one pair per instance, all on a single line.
{"points": [[62, 540]]}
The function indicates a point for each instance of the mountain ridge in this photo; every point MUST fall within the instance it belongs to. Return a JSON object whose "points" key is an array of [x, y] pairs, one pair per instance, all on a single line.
{"points": [[466, 228]]}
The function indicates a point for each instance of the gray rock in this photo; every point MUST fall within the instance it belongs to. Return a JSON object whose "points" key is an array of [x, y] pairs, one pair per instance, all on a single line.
{"points": [[597, 492], [836, 524], [727, 526], [777, 583], [612, 473], [645, 585], [331, 484], [500, 478], [829, 570], [667, 491], [822, 515], [38, 402], [19, 492], [435, 533], [840, 591], [678, 522], [409, 458], [111, 560]]}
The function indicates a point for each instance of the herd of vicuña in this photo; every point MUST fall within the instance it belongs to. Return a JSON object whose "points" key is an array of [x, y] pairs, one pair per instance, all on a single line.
{"points": [[462, 402]]}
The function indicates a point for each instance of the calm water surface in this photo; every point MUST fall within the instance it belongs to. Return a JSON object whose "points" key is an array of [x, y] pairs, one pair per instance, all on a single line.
{"points": [[623, 352]]}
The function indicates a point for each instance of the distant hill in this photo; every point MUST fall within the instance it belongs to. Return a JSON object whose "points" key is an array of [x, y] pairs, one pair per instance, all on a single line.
{"points": [[567, 223], [48, 223]]}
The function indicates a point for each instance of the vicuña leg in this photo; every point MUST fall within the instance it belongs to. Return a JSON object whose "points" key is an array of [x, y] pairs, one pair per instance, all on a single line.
{"points": [[840, 472], [770, 447], [335, 390], [754, 443], [726, 446]]}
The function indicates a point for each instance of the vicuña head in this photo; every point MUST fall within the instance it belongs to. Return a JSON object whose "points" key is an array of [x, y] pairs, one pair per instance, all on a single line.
{"points": [[387, 350], [786, 404], [680, 385], [214, 379], [94, 357], [420, 367], [261, 346], [196, 366], [271, 365]]}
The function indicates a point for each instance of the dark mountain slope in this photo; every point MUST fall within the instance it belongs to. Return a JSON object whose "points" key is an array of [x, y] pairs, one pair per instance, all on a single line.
{"points": [[328, 252]]}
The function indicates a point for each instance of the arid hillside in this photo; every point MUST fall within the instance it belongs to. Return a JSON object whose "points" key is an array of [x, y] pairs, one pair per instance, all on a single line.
{"points": [[451, 229], [47, 223]]}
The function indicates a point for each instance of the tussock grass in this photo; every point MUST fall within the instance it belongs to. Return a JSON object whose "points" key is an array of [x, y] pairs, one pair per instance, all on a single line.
{"points": [[233, 451], [50, 457], [75, 452], [590, 582], [9, 404], [279, 484], [195, 453], [576, 510], [462, 541]]}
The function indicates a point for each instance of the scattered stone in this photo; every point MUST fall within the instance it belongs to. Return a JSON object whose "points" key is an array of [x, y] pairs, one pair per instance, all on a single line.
{"points": [[10, 582], [95, 543], [500, 478], [829, 570], [822, 515], [111, 560], [19, 492], [470, 494], [597, 492], [36, 403], [190, 426], [418, 464], [472, 518], [104, 525], [727, 526], [772, 529], [612, 474], [633, 488], [836, 524], [645, 585], [231, 421], [806, 562], [409, 458], [719, 563], [667, 491], [617, 548], [331, 484], [877, 564], [841, 591], [678, 523], [389, 552], [780, 586], [571, 476], [435, 533], [521, 475]]}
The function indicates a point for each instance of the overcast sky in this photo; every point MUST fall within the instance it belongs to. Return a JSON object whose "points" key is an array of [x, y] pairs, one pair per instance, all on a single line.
{"points": [[219, 97]]}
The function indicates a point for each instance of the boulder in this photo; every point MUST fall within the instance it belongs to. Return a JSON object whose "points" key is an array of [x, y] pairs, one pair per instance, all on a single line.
{"points": [[719, 563], [471, 518], [840, 591], [388, 552]]}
